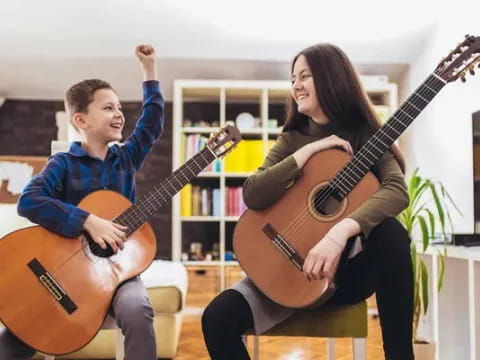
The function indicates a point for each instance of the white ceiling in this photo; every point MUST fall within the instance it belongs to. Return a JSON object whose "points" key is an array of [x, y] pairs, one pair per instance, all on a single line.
{"points": [[47, 45]]}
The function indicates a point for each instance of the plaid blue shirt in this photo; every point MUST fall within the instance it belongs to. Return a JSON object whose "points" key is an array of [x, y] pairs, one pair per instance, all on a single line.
{"points": [[51, 197]]}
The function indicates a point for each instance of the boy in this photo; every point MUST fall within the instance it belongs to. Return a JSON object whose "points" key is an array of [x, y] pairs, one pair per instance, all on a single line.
{"points": [[50, 198]]}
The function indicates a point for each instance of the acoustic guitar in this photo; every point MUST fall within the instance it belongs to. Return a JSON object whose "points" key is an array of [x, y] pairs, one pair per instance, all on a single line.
{"points": [[271, 244], [55, 292]]}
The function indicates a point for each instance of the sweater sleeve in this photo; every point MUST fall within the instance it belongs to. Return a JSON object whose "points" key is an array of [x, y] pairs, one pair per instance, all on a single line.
{"points": [[388, 201], [277, 173]]}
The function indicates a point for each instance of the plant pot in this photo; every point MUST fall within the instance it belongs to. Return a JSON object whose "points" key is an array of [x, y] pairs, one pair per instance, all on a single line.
{"points": [[424, 350]]}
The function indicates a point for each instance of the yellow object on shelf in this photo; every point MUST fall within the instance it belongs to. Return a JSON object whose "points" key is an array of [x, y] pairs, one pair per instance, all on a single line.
{"points": [[247, 157], [186, 201]]}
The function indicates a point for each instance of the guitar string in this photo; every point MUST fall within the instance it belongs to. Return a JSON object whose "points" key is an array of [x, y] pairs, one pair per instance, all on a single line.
{"points": [[297, 224], [301, 216], [201, 156]]}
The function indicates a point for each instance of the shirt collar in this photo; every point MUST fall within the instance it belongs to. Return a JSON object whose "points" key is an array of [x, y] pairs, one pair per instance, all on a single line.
{"points": [[77, 150]]}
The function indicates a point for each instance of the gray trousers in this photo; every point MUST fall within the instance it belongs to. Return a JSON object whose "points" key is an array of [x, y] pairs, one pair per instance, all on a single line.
{"points": [[133, 313]]}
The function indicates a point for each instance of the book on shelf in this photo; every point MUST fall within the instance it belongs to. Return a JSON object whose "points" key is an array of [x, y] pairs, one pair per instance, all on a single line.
{"points": [[192, 144], [199, 201], [186, 200], [235, 205], [216, 202]]}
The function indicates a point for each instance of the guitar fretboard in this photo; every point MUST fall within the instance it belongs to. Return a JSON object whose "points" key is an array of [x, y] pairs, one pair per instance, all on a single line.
{"points": [[346, 179], [138, 213]]}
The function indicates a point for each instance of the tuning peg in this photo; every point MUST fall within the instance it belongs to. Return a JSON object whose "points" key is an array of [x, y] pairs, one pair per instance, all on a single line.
{"points": [[471, 70], [463, 78]]}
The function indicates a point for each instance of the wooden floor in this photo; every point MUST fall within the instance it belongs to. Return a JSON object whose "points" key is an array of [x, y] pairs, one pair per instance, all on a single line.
{"points": [[192, 347]]}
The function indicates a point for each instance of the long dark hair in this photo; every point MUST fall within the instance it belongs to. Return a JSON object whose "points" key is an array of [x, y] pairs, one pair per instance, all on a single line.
{"points": [[340, 95]]}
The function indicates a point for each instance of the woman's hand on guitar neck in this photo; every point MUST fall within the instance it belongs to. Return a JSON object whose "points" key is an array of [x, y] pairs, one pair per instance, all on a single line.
{"points": [[303, 154], [105, 232], [322, 260]]}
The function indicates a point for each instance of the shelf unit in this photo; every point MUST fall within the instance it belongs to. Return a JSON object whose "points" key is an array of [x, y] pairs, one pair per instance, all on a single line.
{"points": [[213, 104], [453, 317]]}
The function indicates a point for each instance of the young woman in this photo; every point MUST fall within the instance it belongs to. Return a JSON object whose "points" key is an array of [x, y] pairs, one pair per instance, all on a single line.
{"points": [[328, 108]]}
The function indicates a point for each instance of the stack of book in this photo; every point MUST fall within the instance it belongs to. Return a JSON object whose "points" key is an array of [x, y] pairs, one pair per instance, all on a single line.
{"points": [[192, 144], [199, 201]]}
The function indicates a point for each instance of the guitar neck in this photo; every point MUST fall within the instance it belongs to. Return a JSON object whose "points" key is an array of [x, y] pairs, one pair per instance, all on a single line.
{"points": [[346, 179], [145, 208]]}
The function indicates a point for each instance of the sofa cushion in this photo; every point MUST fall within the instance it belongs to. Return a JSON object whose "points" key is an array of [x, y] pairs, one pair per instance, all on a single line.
{"points": [[165, 299], [166, 282]]}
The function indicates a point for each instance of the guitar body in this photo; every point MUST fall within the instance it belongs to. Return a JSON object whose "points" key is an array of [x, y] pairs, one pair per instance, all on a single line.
{"points": [[296, 219], [31, 311]]}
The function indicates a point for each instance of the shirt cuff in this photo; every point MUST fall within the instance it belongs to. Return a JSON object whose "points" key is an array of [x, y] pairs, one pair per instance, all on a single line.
{"points": [[150, 86], [76, 221]]}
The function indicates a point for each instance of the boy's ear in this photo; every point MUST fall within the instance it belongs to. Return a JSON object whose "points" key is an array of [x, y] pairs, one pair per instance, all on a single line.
{"points": [[79, 120]]}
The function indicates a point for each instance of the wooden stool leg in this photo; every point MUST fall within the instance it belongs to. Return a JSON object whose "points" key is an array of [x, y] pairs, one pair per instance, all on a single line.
{"points": [[359, 348], [255, 347], [119, 346], [331, 349]]}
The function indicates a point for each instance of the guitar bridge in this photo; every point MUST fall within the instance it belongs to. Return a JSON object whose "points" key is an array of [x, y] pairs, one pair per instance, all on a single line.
{"points": [[55, 290], [284, 247]]}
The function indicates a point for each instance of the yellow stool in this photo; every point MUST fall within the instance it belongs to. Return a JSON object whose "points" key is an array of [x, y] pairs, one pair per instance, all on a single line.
{"points": [[330, 321]]}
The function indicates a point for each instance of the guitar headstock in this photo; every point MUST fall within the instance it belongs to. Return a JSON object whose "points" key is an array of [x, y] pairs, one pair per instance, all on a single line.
{"points": [[224, 140], [460, 60]]}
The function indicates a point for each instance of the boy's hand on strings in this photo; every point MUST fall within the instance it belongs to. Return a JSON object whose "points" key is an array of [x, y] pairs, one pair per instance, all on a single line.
{"points": [[105, 232]]}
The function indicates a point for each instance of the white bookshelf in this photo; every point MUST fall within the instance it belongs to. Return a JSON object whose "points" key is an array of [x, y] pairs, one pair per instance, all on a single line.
{"points": [[265, 98]]}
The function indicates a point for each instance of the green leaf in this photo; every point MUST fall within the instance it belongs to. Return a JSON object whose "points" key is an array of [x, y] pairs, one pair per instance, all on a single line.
{"points": [[413, 183], [431, 218], [417, 194], [447, 195], [424, 283], [425, 235], [439, 207], [441, 269]]}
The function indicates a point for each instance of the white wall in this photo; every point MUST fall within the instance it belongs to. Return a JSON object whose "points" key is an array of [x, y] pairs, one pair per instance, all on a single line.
{"points": [[440, 140]]}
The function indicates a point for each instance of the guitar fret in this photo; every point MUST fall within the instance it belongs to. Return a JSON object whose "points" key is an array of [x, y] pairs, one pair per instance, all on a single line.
{"points": [[400, 121], [380, 141], [429, 88], [389, 138], [411, 104], [421, 97], [366, 149], [365, 157], [340, 185], [405, 113], [345, 179], [375, 146], [439, 78], [353, 163]]}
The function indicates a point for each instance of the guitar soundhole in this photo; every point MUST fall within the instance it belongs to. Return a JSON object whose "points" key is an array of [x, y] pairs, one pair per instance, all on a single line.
{"points": [[326, 201], [96, 249]]}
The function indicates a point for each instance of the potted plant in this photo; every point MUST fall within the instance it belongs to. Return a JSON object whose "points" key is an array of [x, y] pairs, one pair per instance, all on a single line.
{"points": [[421, 216]]}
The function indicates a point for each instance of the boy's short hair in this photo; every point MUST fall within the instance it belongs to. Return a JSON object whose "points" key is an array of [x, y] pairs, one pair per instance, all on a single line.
{"points": [[80, 95]]}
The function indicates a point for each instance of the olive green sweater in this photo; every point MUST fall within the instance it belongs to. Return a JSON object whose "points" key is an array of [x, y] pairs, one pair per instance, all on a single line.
{"points": [[280, 169]]}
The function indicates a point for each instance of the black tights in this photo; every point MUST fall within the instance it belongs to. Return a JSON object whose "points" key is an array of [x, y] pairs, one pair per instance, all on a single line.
{"points": [[384, 267]]}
